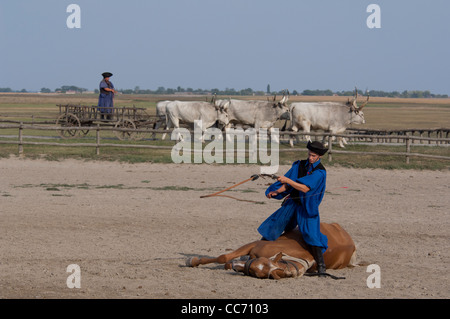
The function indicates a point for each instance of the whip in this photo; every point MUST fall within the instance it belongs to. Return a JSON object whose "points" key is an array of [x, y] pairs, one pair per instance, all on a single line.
{"points": [[252, 178]]}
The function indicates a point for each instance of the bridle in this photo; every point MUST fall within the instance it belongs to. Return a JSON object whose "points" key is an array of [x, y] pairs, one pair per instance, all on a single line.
{"points": [[247, 265], [249, 262], [288, 262], [286, 270]]}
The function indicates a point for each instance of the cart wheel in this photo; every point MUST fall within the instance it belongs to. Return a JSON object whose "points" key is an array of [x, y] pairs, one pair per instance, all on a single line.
{"points": [[123, 136], [139, 135], [85, 132], [69, 120]]}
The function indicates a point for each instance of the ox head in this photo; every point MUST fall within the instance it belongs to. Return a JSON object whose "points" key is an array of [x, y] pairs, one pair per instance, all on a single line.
{"points": [[221, 108], [357, 116], [222, 104], [263, 267], [281, 107]]}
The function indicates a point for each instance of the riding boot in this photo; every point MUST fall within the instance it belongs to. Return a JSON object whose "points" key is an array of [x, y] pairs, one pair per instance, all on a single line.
{"points": [[318, 257]]}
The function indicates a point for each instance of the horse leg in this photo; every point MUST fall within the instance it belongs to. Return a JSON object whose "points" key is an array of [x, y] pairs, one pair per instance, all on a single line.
{"points": [[222, 259]]}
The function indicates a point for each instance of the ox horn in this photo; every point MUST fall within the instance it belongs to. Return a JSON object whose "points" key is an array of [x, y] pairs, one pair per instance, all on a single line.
{"points": [[368, 96], [356, 94], [227, 104], [283, 100]]}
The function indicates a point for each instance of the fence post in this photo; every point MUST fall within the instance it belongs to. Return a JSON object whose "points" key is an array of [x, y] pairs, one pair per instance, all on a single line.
{"points": [[330, 148], [408, 147], [97, 135], [21, 139]]}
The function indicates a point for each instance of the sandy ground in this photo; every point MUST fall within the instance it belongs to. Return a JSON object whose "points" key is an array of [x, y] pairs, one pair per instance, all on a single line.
{"points": [[130, 228]]}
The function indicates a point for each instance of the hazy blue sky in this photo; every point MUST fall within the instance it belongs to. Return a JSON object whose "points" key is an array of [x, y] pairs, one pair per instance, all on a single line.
{"points": [[237, 44]]}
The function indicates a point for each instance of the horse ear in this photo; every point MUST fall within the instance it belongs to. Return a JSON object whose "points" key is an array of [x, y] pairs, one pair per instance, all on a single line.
{"points": [[278, 257], [275, 275]]}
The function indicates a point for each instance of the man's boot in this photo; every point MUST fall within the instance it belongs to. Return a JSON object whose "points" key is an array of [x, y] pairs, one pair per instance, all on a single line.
{"points": [[318, 257]]}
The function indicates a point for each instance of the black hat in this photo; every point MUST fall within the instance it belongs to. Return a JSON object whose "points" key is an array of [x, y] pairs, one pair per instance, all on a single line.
{"points": [[317, 147], [107, 74]]}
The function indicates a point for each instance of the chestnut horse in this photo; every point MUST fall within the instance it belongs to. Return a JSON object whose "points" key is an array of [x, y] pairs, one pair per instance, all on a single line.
{"points": [[288, 256]]}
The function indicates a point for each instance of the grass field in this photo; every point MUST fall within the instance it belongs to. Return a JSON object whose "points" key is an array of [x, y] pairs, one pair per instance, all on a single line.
{"points": [[380, 113]]}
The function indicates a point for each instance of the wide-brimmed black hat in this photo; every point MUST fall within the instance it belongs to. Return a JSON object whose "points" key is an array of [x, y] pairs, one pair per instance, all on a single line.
{"points": [[317, 148], [107, 74]]}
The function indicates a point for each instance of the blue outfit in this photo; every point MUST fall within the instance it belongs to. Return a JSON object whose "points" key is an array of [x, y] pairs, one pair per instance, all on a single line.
{"points": [[105, 99], [299, 208]]}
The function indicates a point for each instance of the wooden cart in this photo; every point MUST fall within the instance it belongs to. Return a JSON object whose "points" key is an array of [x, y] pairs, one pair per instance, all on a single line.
{"points": [[79, 116]]}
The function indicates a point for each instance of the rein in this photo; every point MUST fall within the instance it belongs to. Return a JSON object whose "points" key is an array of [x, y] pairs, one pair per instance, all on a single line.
{"points": [[323, 274]]}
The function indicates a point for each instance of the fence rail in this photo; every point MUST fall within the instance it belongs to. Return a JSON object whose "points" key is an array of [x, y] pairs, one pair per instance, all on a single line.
{"points": [[392, 136], [408, 140]]}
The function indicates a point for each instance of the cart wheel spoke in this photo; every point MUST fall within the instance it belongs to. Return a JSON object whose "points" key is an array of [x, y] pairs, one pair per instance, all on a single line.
{"points": [[69, 120], [124, 135]]}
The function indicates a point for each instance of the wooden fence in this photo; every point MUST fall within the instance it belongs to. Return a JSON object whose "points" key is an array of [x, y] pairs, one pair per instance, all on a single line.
{"points": [[407, 141], [398, 136]]}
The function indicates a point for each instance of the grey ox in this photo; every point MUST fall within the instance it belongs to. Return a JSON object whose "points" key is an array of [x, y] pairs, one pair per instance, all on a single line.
{"points": [[161, 120], [333, 117], [189, 111], [254, 113]]}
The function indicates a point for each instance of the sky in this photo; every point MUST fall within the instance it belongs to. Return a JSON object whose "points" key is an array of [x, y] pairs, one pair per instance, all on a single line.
{"points": [[238, 44]]}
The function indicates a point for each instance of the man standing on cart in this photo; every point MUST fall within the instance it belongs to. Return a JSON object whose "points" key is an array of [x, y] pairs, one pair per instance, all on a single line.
{"points": [[106, 97]]}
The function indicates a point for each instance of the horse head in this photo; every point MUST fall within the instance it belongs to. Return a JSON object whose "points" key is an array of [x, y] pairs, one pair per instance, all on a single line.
{"points": [[263, 267]]}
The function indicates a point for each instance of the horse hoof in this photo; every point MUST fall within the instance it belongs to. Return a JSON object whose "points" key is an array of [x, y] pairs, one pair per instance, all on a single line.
{"points": [[190, 262]]}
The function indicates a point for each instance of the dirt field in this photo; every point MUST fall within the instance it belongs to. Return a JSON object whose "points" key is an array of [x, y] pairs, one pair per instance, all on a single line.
{"points": [[130, 228]]}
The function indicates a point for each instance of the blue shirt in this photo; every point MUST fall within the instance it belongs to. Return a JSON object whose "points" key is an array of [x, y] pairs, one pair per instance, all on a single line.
{"points": [[104, 85], [303, 210], [316, 182], [105, 98]]}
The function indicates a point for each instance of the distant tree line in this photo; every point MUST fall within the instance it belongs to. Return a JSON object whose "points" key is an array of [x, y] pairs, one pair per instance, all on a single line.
{"points": [[248, 91], [62, 89], [8, 90], [404, 94], [67, 88], [180, 90], [408, 94]]}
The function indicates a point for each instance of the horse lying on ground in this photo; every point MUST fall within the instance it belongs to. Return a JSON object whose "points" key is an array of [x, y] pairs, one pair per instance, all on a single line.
{"points": [[288, 256]]}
